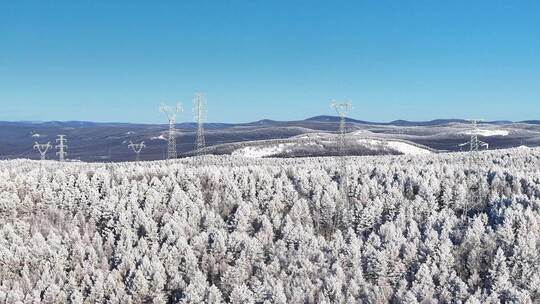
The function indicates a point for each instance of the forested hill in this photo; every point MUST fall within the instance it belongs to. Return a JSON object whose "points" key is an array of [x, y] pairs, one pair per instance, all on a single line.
{"points": [[453, 228]]}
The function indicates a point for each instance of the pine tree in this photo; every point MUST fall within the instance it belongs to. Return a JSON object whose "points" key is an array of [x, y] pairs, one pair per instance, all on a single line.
{"points": [[213, 296], [499, 275], [242, 295]]}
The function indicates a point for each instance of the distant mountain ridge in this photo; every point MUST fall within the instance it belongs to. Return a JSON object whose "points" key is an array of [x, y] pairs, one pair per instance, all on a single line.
{"points": [[262, 122], [108, 141]]}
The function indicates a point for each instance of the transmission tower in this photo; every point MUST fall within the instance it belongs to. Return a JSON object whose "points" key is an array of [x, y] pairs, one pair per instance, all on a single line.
{"points": [[199, 105], [171, 116], [42, 148], [137, 148], [476, 174], [341, 109], [62, 147], [474, 143]]}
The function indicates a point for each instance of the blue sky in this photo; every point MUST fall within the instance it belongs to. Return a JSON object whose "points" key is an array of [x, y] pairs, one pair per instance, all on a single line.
{"points": [[416, 60]]}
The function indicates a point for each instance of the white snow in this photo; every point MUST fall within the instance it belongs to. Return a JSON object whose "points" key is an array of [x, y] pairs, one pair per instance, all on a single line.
{"points": [[158, 137], [309, 136], [258, 152], [407, 148], [372, 142], [401, 147], [268, 151], [488, 132]]}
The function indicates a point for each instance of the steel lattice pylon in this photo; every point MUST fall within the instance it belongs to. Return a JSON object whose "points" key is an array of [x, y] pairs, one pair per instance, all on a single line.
{"points": [[171, 116], [62, 147], [474, 143], [475, 174], [199, 104], [137, 148], [42, 148], [341, 109]]}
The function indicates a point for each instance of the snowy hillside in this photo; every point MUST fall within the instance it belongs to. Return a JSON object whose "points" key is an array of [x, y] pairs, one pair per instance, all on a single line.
{"points": [[487, 133], [447, 228], [320, 144], [97, 142]]}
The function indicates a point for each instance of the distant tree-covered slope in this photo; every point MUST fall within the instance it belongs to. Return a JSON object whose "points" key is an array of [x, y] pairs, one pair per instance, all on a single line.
{"points": [[108, 142], [448, 228]]}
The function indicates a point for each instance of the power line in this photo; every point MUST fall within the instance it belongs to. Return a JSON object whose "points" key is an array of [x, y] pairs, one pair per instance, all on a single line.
{"points": [[171, 117]]}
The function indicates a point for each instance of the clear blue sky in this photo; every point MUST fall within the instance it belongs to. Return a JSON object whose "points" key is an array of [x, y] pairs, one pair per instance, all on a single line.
{"points": [[417, 60]]}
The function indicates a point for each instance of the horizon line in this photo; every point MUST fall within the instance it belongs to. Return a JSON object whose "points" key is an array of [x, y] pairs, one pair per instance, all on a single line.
{"points": [[266, 119]]}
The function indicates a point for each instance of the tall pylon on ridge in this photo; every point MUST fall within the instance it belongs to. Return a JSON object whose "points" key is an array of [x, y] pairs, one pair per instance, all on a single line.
{"points": [[474, 143], [476, 173], [137, 148], [199, 109], [341, 109], [62, 147], [171, 113], [42, 149]]}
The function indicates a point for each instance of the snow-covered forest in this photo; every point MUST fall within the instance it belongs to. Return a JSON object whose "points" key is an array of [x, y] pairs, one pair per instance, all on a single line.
{"points": [[448, 228]]}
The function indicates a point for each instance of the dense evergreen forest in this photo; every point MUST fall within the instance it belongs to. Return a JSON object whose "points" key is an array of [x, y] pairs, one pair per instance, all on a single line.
{"points": [[447, 228]]}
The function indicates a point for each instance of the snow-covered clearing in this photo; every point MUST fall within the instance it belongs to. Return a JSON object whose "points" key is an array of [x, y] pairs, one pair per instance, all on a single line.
{"points": [[398, 146], [158, 137], [258, 152], [486, 133], [407, 148]]}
